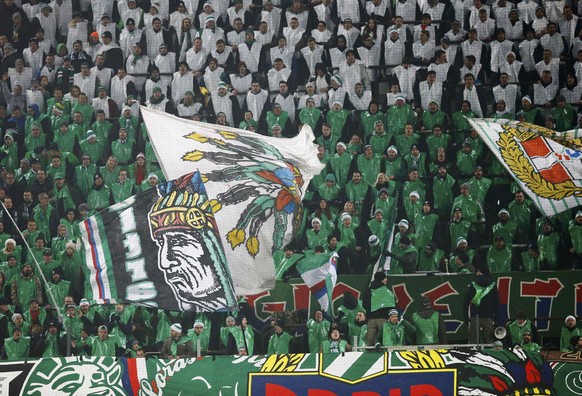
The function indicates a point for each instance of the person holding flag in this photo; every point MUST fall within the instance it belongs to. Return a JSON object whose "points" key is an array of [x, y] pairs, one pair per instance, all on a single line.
{"points": [[378, 301]]}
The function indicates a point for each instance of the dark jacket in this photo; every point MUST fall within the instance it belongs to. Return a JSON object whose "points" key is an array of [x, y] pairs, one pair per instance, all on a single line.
{"points": [[183, 350]]}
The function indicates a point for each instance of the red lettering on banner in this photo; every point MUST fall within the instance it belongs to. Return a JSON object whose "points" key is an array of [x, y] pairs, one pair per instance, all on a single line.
{"points": [[504, 286], [301, 296], [578, 298], [425, 390], [251, 300], [403, 299], [441, 291], [541, 288], [394, 392], [341, 288], [278, 390], [278, 306]]}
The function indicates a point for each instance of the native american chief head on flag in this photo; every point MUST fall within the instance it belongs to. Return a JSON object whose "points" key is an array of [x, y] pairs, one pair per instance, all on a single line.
{"points": [[190, 253]]}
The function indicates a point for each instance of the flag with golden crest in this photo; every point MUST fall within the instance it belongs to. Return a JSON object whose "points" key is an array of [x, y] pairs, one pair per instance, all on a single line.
{"points": [[255, 185], [546, 165]]}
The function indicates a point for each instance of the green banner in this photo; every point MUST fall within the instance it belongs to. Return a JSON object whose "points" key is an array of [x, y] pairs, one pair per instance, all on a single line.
{"points": [[439, 372], [542, 295]]}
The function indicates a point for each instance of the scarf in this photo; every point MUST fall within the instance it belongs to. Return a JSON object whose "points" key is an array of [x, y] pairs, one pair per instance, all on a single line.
{"points": [[136, 58], [155, 101]]}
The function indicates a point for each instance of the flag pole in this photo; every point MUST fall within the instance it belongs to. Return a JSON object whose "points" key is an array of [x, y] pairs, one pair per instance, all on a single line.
{"points": [[49, 292]]}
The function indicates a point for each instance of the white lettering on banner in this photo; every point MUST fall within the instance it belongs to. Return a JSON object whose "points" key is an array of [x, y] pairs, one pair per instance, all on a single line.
{"points": [[138, 292], [141, 289], [137, 269], [256, 360], [133, 245], [166, 372]]}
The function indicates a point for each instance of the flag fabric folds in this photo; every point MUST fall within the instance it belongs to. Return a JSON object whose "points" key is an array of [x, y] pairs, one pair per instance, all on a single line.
{"points": [[158, 248], [319, 272], [255, 184], [547, 171]]}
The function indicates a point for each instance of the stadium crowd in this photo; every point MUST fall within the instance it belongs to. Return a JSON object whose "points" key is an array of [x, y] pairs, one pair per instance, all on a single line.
{"points": [[386, 86]]}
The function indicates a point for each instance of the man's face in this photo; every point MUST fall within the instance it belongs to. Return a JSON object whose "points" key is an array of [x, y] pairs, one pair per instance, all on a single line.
{"points": [[551, 28], [393, 319], [56, 277], [181, 255], [102, 334], [350, 58], [198, 329], [283, 88], [294, 23]]}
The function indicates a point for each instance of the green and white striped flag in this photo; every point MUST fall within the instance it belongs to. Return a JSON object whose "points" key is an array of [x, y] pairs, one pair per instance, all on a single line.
{"points": [[159, 248]]}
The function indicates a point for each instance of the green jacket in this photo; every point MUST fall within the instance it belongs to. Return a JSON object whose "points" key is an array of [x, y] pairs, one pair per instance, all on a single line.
{"points": [[548, 246], [516, 331], [398, 117], [499, 260], [120, 192], [576, 236], [368, 121], [434, 142], [310, 116], [565, 336], [340, 164], [329, 346], [369, 167], [427, 329], [429, 263], [59, 291], [380, 143], [337, 120], [279, 344], [99, 199], [404, 142], [430, 119], [17, 350], [84, 178], [395, 334], [105, 347], [443, 193], [316, 334], [123, 151]]}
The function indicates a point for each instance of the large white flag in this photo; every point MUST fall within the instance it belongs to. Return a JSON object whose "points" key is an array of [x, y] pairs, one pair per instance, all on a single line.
{"points": [[254, 183], [547, 171]]}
